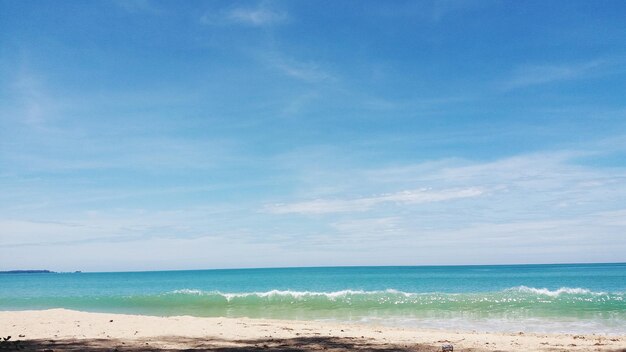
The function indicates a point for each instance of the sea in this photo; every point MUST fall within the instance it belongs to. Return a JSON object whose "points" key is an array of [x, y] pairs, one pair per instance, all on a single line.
{"points": [[563, 298]]}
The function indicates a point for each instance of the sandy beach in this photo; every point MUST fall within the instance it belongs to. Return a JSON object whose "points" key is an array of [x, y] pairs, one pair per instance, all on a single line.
{"points": [[67, 330]]}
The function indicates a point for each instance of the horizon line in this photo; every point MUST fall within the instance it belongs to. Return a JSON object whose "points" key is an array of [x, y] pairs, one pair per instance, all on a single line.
{"points": [[316, 267]]}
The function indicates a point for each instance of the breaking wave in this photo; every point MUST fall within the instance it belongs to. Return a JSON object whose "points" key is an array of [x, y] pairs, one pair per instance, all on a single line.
{"points": [[555, 293], [512, 303], [542, 301]]}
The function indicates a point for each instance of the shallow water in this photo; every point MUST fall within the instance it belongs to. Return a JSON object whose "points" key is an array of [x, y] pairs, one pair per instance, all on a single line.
{"points": [[546, 298]]}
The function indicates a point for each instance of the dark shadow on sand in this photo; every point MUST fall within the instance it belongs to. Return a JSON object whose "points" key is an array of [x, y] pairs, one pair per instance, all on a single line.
{"points": [[329, 344]]}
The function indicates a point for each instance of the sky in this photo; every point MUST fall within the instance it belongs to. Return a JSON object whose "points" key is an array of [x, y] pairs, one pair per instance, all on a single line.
{"points": [[166, 135]]}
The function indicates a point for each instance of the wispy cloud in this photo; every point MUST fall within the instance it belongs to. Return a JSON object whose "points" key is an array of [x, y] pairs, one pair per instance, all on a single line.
{"points": [[98, 154], [322, 206], [531, 75], [306, 71], [52, 125], [34, 104], [298, 103], [116, 225], [433, 11], [137, 6], [257, 16], [249, 16], [443, 8], [299, 69]]}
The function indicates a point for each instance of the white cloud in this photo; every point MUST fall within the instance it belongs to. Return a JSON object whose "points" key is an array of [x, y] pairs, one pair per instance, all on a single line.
{"points": [[249, 16], [323, 206]]}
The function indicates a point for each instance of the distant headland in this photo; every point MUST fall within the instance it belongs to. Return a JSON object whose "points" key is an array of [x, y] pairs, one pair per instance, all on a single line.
{"points": [[27, 272]]}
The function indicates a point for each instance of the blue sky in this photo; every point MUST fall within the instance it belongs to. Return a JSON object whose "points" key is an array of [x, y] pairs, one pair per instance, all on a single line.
{"points": [[140, 135]]}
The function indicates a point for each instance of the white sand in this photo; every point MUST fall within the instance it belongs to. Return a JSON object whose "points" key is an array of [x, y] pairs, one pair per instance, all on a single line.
{"points": [[130, 332]]}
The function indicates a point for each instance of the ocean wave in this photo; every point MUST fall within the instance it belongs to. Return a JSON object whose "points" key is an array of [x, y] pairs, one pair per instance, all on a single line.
{"points": [[520, 298], [334, 295], [295, 294], [517, 302], [556, 293]]}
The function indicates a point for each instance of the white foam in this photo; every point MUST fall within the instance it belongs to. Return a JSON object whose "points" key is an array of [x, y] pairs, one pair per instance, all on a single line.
{"points": [[341, 294], [289, 293], [187, 291], [558, 292]]}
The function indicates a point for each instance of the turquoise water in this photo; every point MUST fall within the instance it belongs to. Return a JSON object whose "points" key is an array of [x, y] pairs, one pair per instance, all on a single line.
{"points": [[555, 298]]}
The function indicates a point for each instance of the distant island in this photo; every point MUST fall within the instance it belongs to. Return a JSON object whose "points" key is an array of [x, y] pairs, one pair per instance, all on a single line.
{"points": [[27, 272]]}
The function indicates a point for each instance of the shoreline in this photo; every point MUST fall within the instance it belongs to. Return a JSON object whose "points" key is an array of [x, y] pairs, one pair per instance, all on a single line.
{"points": [[69, 330]]}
